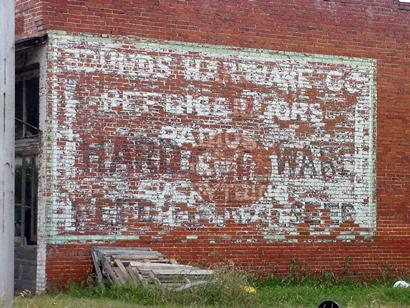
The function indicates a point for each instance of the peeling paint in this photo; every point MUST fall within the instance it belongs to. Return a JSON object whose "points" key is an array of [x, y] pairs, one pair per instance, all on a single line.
{"points": [[152, 133]]}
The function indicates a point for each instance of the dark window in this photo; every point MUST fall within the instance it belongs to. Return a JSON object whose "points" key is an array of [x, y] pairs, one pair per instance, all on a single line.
{"points": [[27, 145], [32, 99], [27, 105]]}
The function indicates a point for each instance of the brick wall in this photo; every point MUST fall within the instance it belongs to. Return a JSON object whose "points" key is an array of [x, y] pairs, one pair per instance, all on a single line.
{"points": [[29, 19], [133, 138]]}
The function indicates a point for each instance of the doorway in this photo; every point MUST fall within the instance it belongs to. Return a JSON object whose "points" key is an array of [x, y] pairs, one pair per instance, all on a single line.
{"points": [[27, 143]]}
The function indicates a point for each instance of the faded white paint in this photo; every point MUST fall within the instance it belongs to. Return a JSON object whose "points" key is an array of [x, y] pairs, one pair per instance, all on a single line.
{"points": [[303, 126]]}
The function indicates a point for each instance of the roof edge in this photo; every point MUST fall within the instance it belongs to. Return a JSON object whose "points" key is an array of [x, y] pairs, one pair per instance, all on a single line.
{"points": [[30, 42]]}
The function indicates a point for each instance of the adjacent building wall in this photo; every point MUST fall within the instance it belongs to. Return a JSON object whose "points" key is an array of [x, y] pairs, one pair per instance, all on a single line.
{"points": [[7, 59], [226, 148], [29, 19]]}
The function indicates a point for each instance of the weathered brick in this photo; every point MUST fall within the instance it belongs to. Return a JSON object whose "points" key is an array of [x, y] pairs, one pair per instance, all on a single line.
{"points": [[211, 153]]}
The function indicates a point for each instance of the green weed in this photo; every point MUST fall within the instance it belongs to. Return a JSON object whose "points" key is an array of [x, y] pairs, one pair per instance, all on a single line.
{"points": [[225, 290], [235, 288]]}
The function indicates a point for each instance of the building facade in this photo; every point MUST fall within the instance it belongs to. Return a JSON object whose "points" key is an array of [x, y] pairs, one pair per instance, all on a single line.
{"points": [[263, 133]]}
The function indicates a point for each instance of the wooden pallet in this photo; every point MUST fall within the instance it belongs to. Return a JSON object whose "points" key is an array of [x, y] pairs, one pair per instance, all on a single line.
{"points": [[145, 267]]}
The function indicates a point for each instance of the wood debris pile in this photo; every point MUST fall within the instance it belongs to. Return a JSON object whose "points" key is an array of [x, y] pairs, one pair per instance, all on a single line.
{"points": [[145, 267]]}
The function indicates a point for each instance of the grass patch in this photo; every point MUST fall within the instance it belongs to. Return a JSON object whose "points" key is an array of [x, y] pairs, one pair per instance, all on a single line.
{"points": [[227, 290], [309, 293], [67, 301]]}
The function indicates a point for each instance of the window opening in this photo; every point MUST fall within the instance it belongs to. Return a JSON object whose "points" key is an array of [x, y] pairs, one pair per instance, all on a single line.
{"points": [[27, 148]]}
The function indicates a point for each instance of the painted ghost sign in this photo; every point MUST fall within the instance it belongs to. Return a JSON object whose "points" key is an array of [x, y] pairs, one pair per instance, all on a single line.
{"points": [[153, 135]]}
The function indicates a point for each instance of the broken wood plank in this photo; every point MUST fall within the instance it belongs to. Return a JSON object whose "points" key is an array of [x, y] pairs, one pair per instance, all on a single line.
{"points": [[146, 267], [194, 272], [119, 275], [123, 271], [107, 269], [139, 257], [104, 251], [159, 265], [135, 276], [96, 262]]}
